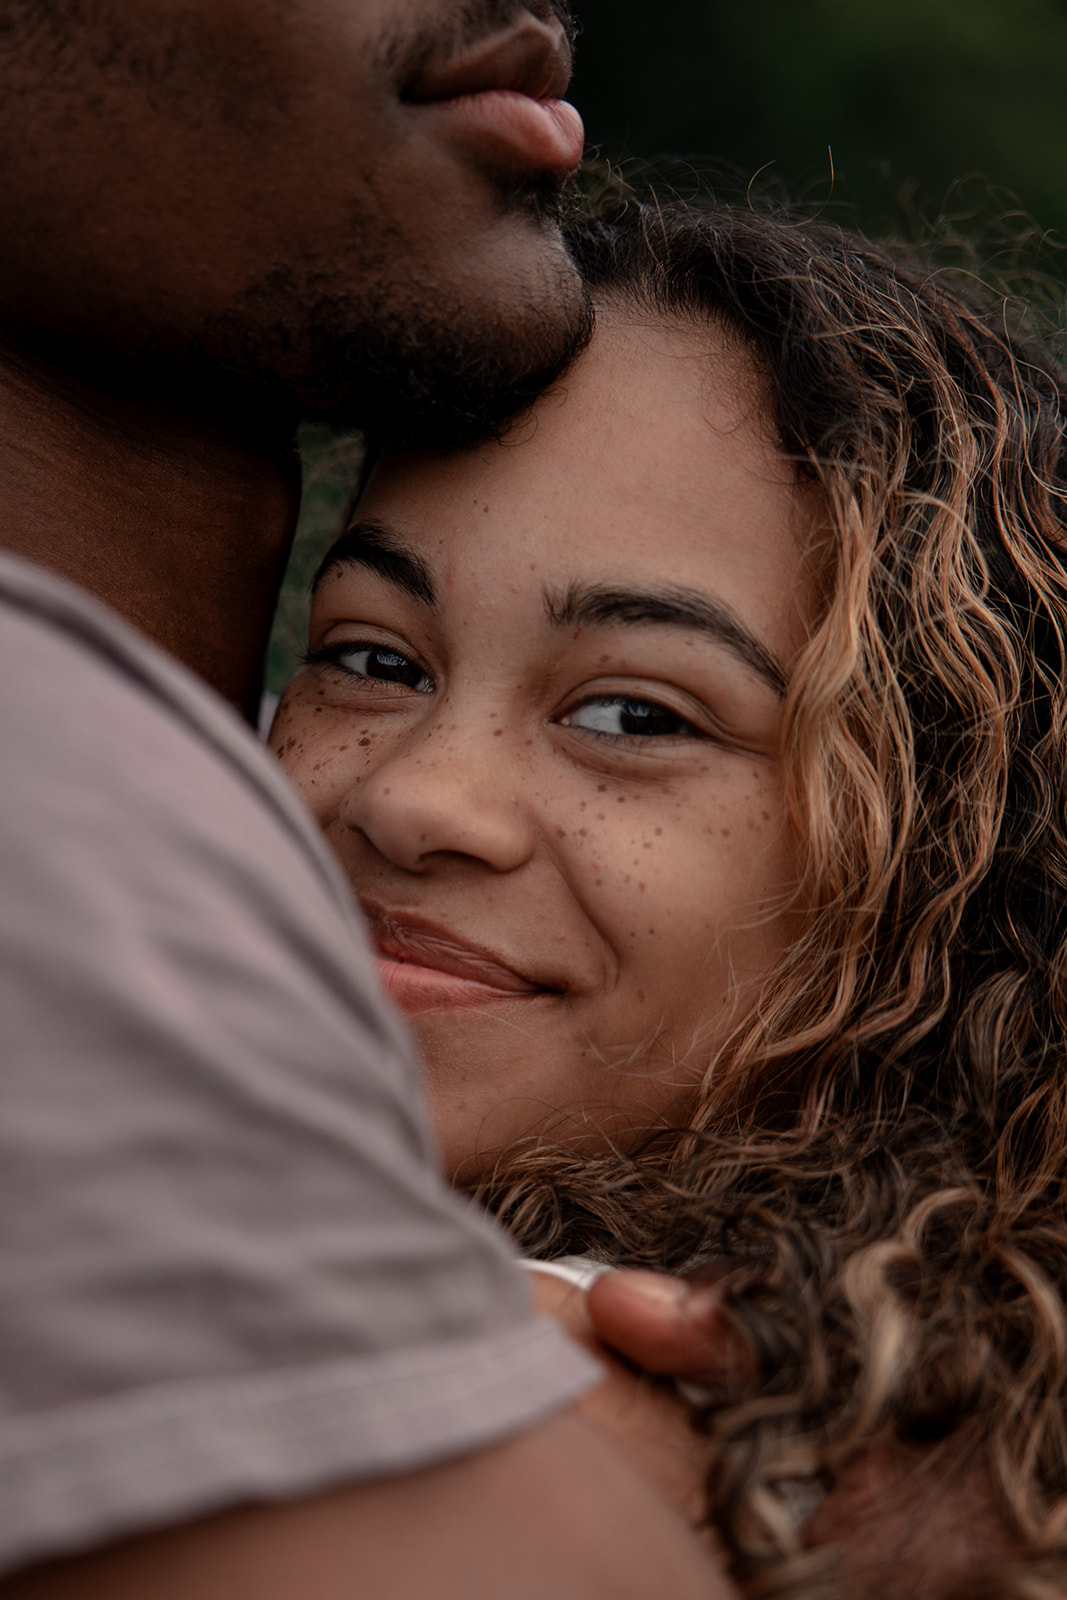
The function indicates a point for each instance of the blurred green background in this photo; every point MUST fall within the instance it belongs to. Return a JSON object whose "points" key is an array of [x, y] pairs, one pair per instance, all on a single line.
{"points": [[921, 108], [331, 468], [914, 97]]}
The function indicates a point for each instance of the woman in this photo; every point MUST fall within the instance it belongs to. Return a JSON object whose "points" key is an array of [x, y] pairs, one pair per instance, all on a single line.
{"points": [[698, 753]]}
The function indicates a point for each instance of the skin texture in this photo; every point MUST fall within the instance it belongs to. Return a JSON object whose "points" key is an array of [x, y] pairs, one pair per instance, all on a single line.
{"points": [[554, 1512], [640, 883], [643, 1416], [219, 216], [911, 1521], [668, 1326]]}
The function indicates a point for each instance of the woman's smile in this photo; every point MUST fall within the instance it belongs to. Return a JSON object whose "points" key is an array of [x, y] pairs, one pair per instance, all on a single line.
{"points": [[541, 722], [424, 966]]}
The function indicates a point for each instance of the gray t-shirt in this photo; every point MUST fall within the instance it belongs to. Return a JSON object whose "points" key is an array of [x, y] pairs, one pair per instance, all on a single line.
{"points": [[229, 1270]]}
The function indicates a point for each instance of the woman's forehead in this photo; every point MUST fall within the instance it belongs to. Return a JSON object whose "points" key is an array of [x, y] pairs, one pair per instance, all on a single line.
{"points": [[651, 459], [666, 411]]}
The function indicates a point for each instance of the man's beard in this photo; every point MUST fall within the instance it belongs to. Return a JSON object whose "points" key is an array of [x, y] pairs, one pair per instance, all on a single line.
{"points": [[409, 361], [406, 363], [354, 329]]}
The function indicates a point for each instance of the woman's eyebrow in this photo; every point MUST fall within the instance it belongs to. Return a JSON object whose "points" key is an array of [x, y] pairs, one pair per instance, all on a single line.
{"points": [[369, 544], [595, 605]]}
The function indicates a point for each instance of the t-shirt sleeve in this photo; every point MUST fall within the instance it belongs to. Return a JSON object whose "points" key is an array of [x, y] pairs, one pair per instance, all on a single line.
{"points": [[228, 1267]]}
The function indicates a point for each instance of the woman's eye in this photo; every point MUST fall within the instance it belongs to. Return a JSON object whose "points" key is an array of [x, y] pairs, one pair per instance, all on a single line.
{"points": [[377, 661], [621, 718]]}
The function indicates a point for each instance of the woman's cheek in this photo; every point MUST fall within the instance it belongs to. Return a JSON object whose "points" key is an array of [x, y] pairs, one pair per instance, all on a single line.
{"points": [[326, 752]]}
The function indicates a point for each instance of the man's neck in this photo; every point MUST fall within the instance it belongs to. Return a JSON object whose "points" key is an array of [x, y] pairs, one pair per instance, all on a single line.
{"points": [[182, 524]]}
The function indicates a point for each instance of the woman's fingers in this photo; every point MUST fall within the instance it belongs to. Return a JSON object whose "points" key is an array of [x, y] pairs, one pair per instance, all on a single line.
{"points": [[671, 1328], [643, 1417]]}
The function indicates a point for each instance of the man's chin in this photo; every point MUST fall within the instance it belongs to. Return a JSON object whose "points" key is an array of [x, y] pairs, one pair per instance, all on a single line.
{"points": [[472, 396], [446, 381]]}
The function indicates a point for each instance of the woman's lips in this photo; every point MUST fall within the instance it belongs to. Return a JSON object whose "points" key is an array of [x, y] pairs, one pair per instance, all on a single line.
{"points": [[416, 988], [542, 135], [424, 967]]}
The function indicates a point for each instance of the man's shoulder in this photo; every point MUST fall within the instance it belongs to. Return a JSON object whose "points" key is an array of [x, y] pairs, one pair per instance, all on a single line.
{"points": [[80, 682]]}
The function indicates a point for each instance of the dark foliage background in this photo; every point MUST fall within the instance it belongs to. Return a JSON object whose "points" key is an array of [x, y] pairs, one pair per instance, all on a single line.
{"points": [[923, 103]]}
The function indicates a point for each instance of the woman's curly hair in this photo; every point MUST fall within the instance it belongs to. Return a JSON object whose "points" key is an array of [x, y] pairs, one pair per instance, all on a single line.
{"points": [[885, 1135]]}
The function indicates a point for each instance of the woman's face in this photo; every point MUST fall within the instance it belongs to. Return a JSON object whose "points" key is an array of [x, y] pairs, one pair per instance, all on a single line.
{"points": [[540, 726]]}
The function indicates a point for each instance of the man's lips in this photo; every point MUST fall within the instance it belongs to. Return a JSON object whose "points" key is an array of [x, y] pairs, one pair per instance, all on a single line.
{"points": [[532, 58], [505, 95], [537, 135], [424, 966]]}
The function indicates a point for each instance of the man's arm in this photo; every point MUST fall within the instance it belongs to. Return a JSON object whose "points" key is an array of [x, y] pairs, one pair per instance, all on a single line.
{"points": [[553, 1514], [233, 1278]]}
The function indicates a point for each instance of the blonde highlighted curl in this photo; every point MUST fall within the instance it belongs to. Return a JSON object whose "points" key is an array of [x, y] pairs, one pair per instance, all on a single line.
{"points": [[882, 1145]]}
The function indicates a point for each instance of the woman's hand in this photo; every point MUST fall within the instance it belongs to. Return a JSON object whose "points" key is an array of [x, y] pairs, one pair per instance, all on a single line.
{"points": [[640, 1413], [672, 1327], [905, 1521]]}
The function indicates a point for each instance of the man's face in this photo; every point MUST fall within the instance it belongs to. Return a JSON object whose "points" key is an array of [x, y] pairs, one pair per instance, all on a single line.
{"points": [[325, 195]]}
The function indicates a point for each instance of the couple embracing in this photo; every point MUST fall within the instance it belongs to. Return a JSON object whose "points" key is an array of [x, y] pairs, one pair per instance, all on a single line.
{"points": [[684, 705]]}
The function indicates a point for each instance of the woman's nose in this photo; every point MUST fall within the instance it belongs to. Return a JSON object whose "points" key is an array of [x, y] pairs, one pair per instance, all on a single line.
{"points": [[446, 795]]}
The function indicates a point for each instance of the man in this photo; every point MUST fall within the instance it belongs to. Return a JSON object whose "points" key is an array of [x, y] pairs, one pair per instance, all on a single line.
{"points": [[250, 1345], [216, 223]]}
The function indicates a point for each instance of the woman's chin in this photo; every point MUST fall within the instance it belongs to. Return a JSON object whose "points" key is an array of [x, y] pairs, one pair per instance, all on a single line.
{"points": [[490, 1081], [494, 1085]]}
